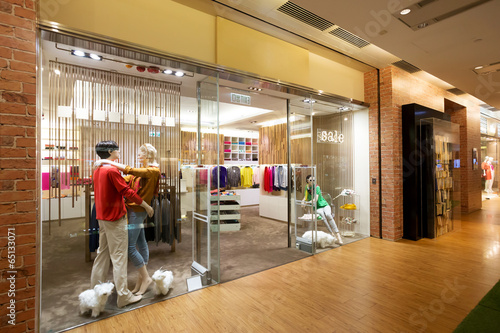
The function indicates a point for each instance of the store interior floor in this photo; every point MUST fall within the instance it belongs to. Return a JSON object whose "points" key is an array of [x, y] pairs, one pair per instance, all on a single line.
{"points": [[259, 245]]}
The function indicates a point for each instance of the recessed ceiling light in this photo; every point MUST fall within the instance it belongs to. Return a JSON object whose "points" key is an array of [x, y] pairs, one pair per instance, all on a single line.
{"points": [[253, 121], [95, 56], [405, 11], [478, 67], [179, 74], [78, 53], [167, 71]]}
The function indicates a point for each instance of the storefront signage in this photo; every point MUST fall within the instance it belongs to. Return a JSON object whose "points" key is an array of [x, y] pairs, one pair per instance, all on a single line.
{"points": [[324, 136]]}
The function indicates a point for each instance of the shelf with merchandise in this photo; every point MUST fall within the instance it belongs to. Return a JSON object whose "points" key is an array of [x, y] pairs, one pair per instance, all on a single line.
{"points": [[226, 209], [238, 148]]}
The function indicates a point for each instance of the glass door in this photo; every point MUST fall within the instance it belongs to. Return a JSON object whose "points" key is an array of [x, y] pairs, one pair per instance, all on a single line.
{"points": [[303, 219], [205, 219]]}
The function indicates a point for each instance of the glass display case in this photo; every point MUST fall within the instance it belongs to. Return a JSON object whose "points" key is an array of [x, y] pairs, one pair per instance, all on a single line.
{"points": [[440, 181]]}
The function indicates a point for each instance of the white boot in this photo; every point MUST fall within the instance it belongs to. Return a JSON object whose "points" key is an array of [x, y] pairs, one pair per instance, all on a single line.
{"points": [[339, 239], [145, 280]]}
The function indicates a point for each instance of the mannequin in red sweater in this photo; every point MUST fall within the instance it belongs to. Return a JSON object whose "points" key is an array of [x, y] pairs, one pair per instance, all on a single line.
{"points": [[109, 190]]}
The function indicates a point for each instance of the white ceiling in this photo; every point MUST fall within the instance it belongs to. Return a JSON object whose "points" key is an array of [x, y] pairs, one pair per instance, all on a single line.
{"points": [[447, 50]]}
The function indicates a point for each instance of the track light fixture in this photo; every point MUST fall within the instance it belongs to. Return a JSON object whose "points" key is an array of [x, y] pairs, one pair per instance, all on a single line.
{"points": [[82, 54]]}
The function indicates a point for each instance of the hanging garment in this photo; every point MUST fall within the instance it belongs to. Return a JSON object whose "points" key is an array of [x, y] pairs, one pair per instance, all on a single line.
{"points": [[268, 179], [275, 179], [256, 176], [283, 178], [234, 176], [93, 231], [157, 220], [203, 177], [246, 176], [166, 233], [222, 176]]}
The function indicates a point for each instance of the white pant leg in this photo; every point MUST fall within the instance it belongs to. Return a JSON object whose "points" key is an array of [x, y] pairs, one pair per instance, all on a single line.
{"points": [[330, 220], [324, 215], [100, 267], [118, 251]]}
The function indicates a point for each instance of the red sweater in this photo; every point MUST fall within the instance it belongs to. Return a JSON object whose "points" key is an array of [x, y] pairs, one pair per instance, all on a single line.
{"points": [[109, 190]]}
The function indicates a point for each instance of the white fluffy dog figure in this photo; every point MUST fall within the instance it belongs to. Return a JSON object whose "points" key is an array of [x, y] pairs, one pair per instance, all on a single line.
{"points": [[95, 299], [162, 281], [322, 238]]}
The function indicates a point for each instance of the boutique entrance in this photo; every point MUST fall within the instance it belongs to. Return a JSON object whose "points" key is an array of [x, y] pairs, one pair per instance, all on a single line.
{"points": [[234, 155]]}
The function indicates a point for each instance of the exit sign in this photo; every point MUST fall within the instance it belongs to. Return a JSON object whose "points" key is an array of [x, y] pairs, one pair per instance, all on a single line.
{"points": [[240, 99]]}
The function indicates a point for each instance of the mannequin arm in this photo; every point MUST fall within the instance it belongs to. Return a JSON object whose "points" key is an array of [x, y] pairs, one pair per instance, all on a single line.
{"points": [[148, 208], [119, 166]]}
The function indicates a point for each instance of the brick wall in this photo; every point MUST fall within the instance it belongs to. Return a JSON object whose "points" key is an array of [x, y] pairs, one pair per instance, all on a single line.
{"points": [[17, 160], [397, 88]]}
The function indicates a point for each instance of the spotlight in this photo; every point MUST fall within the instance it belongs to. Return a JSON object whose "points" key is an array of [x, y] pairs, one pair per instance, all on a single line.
{"points": [[167, 71], [95, 56], [78, 53], [179, 74]]}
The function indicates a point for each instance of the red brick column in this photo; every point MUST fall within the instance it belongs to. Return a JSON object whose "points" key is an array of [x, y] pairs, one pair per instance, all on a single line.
{"points": [[371, 96], [18, 214], [397, 88]]}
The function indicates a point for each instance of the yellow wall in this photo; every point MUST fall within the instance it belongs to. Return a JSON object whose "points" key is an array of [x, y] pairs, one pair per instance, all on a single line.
{"points": [[330, 76], [252, 51], [168, 26], [160, 24]]}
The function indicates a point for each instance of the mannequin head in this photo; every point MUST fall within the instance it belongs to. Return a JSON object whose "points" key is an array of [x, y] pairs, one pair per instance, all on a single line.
{"points": [[490, 159], [147, 155], [486, 159], [107, 149]]}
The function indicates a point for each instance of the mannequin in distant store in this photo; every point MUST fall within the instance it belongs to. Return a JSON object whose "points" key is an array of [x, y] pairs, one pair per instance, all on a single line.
{"points": [[322, 207], [109, 190], [490, 185], [487, 173], [145, 182]]}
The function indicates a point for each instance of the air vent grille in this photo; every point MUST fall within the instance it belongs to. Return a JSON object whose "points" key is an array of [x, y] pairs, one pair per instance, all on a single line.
{"points": [[424, 3], [349, 37], [456, 91], [305, 16], [406, 66]]}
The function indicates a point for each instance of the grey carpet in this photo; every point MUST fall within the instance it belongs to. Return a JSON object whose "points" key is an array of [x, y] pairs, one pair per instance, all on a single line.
{"points": [[259, 245]]}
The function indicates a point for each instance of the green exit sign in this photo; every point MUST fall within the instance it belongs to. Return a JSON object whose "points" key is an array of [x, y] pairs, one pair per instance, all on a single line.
{"points": [[240, 99]]}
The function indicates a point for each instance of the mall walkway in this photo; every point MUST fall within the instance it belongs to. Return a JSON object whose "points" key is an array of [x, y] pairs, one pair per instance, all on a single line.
{"points": [[367, 286]]}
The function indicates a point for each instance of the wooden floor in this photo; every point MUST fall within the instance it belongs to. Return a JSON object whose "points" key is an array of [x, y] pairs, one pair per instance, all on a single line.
{"points": [[369, 286]]}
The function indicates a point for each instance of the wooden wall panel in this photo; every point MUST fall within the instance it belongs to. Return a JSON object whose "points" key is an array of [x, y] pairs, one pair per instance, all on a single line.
{"points": [[209, 148], [272, 144]]}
